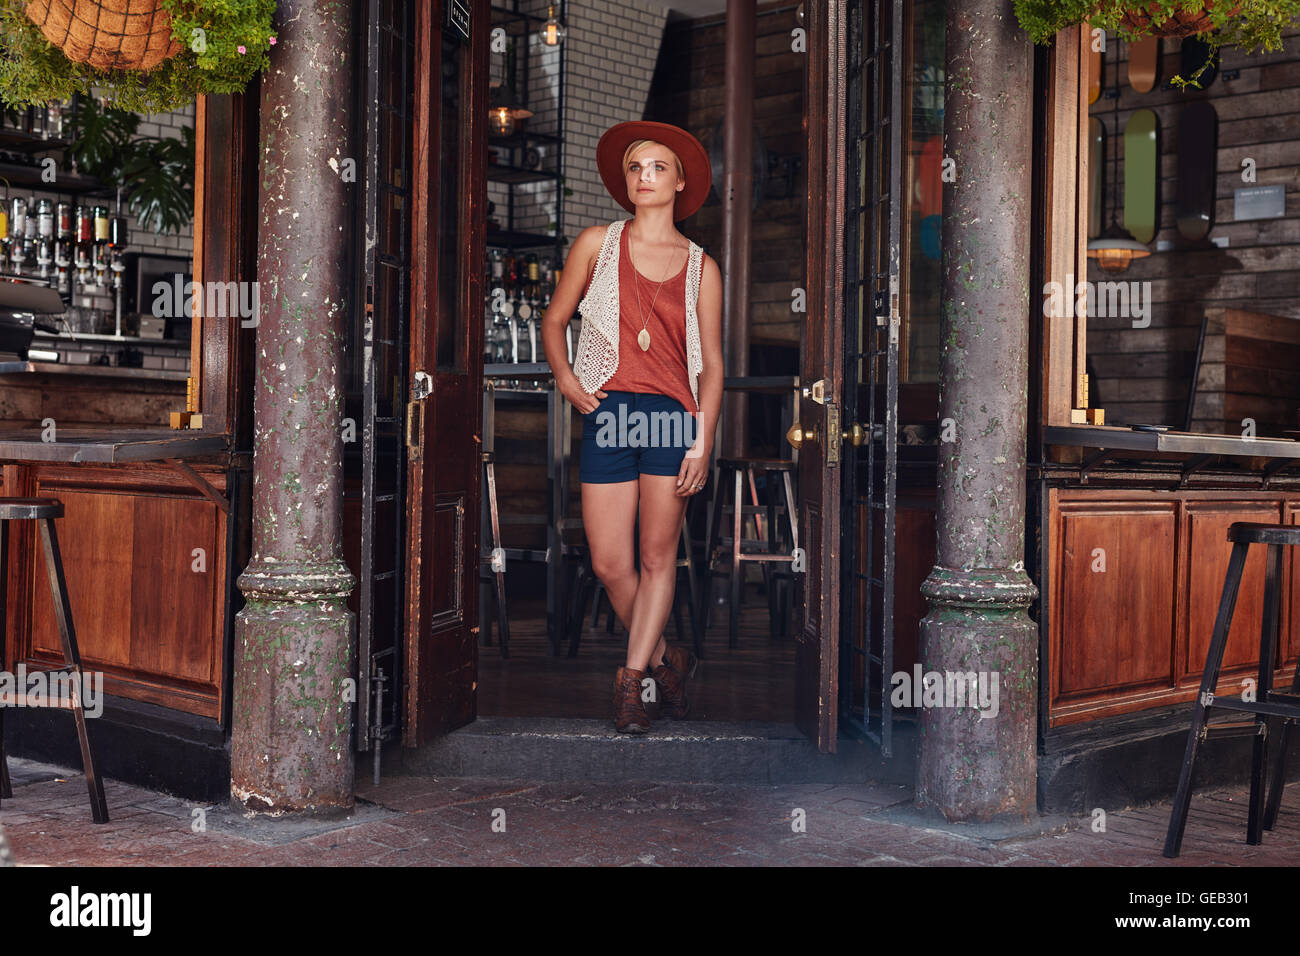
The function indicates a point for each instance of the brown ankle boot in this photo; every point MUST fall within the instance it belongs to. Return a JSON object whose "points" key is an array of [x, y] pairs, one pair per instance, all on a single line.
{"points": [[671, 679], [629, 711], [681, 660]]}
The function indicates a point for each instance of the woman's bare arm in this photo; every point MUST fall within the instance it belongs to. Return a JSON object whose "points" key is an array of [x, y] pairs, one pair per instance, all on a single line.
{"points": [[564, 302], [709, 310]]}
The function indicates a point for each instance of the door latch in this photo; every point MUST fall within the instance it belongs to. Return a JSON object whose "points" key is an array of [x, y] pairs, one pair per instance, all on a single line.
{"points": [[421, 388], [816, 391]]}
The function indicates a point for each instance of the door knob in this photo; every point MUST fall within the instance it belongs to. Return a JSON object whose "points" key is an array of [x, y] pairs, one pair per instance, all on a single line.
{"points": [[856, 434], [798, 434]]}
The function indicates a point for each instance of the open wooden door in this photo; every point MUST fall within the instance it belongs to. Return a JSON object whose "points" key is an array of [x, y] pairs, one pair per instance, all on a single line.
{"points": [[445, 387], [821, 375]]}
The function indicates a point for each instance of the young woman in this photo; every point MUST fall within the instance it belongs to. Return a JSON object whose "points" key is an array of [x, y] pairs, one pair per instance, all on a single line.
{"points": [[647, 378]]}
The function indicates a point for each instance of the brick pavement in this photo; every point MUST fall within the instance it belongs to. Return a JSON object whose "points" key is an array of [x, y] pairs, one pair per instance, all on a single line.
{"points": [[419, 820]]}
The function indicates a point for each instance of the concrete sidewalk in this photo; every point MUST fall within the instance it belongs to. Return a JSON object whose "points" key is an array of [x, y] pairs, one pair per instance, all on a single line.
{"points": [[420, 820]]}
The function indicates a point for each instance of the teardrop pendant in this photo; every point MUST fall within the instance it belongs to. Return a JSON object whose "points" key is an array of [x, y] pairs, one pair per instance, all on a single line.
{"points": [[643, 340]]}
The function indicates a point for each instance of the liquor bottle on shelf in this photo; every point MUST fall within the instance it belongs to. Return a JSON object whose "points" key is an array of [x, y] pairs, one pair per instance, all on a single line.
{"points": [[527, 333], [118, 238], [5, 245], [63, 248], [534, 274], [99, 251], [83, 241], [44, 236], [18, 232]]}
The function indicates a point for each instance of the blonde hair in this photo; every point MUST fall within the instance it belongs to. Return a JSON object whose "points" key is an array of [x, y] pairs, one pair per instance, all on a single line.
{"points": [[636, 145]]}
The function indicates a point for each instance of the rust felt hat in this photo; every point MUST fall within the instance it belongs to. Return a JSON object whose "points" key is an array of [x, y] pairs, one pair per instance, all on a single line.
{"points": [[695, 162]]}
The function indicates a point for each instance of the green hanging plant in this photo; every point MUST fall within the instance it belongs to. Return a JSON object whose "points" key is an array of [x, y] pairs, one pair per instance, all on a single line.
{"points": [[156, 173], [1248, 24], [224, 44]]}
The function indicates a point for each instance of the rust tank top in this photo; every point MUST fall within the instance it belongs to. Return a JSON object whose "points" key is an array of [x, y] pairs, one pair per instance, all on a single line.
{"points": [[662, 369]]}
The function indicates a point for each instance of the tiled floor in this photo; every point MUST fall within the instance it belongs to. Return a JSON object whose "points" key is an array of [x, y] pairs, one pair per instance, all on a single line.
{"points": [[426, 821]]}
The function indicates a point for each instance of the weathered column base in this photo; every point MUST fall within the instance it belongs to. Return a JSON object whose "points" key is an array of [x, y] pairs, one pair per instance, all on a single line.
{"points": [[291, 743], [973, 767]]}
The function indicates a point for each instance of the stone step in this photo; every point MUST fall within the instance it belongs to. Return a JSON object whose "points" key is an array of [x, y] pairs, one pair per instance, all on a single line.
{"points": [[574, 749]]}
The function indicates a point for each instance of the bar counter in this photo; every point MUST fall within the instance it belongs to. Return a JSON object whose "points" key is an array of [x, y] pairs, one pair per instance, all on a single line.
{"points": [[107, 444]]}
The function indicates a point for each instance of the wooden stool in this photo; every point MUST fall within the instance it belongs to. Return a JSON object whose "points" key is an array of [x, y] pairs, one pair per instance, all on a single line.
{"points": [[44, 511], [728, 477], [1269, 705]]}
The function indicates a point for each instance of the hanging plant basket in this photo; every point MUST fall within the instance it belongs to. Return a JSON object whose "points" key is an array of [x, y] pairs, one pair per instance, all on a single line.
{"points": [[1249, 25], [107, 34], [146, 56], [1150, 21]]}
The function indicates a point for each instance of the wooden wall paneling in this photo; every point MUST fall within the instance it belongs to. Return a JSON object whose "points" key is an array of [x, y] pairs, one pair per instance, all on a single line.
{"points": [[96, 538], [16, 610], [1288, 651], [152, 624], [175, 609], [1206, 526], [1091, 678], [1063, 148], [1113, 574]]}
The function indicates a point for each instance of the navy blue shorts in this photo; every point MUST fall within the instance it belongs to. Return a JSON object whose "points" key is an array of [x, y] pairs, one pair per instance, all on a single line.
{"points": [[634, 433]]}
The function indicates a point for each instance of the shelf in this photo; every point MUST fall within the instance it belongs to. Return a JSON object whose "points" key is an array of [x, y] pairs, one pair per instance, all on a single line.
{"points": [[514, 23], [521, 139], [521, 240], [66, 183], [501, 173], [537, 370], [102, 337], [19, 141], [19, 367]]}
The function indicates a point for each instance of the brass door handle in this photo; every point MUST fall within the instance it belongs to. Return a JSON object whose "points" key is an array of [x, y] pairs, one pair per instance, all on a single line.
{"points": [[798, 434]]}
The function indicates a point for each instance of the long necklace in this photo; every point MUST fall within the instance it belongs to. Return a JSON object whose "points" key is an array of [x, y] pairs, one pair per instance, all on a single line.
{"points": [[643, 337]]}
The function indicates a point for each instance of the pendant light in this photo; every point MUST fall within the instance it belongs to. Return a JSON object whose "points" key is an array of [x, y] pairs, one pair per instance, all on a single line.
{"points": [[552, 32], [1115, 248], [503, 103], [503, 111]]}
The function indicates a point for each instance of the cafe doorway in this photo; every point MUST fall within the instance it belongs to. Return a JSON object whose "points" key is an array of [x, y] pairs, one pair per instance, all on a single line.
{"points": [[420, 346]]}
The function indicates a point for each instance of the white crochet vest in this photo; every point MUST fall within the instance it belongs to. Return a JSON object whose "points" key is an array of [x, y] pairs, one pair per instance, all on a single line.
{"points": [[597, 358]]}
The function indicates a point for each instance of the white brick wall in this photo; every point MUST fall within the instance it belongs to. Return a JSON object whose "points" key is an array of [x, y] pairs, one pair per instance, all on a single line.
{"points": [[610, 54], [167, 244], [171, 244]]}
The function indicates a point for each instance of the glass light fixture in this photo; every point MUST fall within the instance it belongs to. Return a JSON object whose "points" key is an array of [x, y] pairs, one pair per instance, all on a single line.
{"points": [[503, 111], [1115, 248], [552, 32]]}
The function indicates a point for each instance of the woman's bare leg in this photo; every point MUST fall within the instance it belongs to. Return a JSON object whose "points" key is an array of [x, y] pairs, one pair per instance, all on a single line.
{"points": [[609, 520], [662, 510]]}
